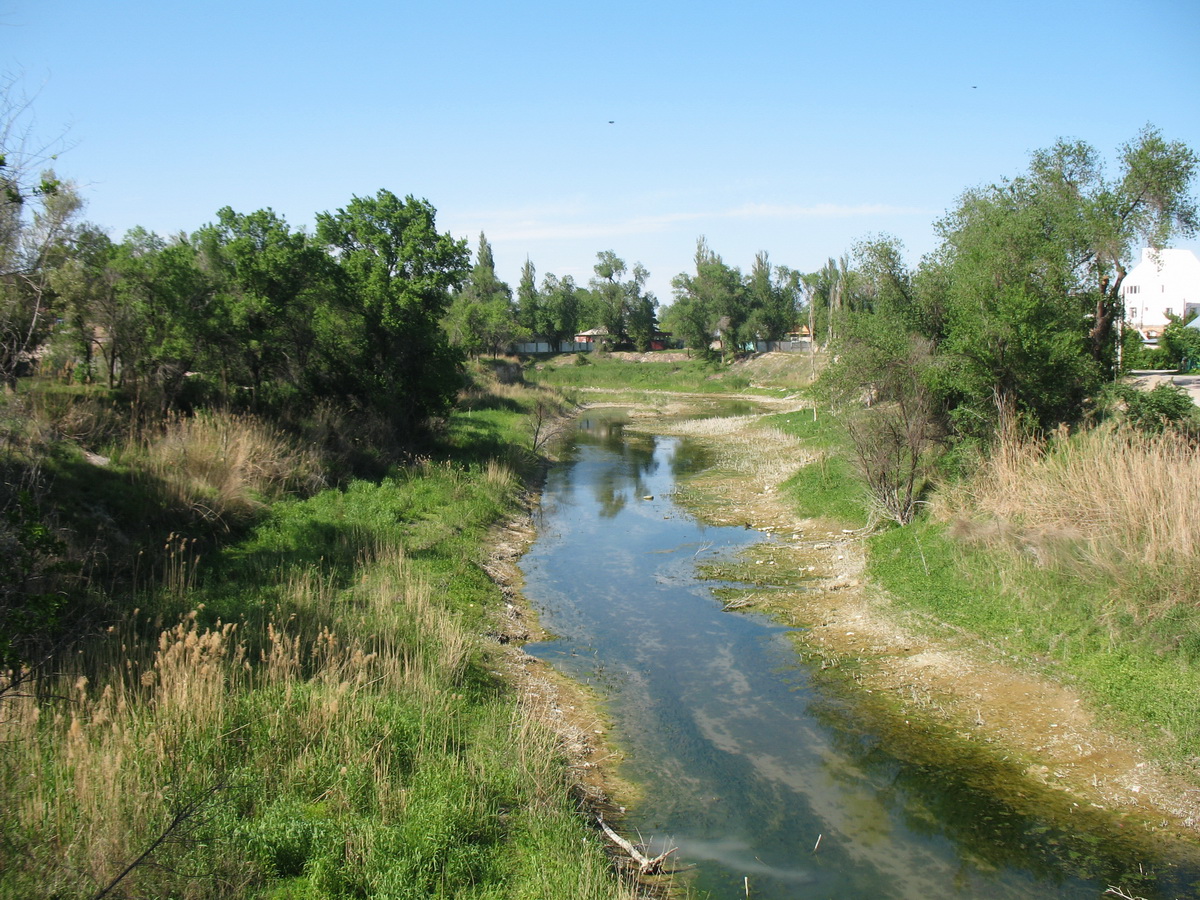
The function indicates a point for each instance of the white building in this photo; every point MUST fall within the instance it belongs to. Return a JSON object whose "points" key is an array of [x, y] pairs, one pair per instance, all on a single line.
{"points": [[1165, 283]]}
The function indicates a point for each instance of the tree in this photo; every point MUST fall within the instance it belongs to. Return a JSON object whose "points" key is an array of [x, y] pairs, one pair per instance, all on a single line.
{"points": [[772, 294], [167, 316], [399, 274], [611, 299], [1181, 344], [641, 321], [623, 307], [829, 290], [1106, 222], [270, 281], [36, 224], [883, 365], [893, 440], [884, 284], [481, 317], [714, 302], [560, 306], [531, 317], [85, 287]]}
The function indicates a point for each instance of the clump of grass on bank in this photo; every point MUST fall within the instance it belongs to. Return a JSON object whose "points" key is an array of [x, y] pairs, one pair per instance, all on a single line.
{"points": [[1082, 551], [222, 464], [307, 712], [827, 486], [1117, 504]]}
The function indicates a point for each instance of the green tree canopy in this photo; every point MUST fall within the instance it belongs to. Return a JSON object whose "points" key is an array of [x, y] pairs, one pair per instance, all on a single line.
{"points": [[481, 317], [399, 273], [271, 284]]}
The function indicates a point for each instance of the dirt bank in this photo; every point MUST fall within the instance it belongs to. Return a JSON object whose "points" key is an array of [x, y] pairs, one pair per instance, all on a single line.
{"points": [[932, 678], [935, 675]]}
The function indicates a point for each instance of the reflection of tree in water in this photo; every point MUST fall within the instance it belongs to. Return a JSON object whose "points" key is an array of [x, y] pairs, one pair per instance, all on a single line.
{"points": [[687, 458], [988, 809], [617, 483]]}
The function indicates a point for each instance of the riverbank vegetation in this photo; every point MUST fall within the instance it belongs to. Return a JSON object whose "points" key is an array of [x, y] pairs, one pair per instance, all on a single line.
{"points": [[305, 707], [1041, 506], [1075, 555]]}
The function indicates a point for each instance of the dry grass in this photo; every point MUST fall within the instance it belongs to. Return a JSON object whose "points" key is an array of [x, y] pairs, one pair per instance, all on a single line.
{"points": [[1109, 501], [223, 464], [770, 458]]}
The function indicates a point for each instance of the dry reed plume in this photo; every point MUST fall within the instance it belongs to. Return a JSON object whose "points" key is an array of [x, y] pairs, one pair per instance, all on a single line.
{"points": [[222, 464], [1117, 502]]}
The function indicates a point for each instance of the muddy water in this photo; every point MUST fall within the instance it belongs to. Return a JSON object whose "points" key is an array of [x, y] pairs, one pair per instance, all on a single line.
{"points": [[768, 775]]}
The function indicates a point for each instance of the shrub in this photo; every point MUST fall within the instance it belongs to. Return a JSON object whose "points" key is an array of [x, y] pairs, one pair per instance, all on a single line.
{"points": [[1154, 410]]}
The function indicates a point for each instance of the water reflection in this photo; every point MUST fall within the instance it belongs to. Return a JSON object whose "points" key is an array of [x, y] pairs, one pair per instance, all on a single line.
{"points": [[747, 757]]}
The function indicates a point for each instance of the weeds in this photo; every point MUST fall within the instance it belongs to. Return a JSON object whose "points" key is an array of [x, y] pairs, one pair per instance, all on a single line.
{"points": [[305, 712], [1113, 505], [222, 465]]}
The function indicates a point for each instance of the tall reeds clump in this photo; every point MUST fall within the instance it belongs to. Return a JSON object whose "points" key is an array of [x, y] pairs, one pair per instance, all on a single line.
{"points": [[222, 465], [1108, 504]]}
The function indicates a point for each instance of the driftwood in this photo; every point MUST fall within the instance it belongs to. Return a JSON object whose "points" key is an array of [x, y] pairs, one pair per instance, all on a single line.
{"points": [[645, 864]]}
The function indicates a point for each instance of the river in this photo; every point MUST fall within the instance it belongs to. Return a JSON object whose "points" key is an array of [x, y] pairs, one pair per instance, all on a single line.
{"points": [[769, 777]]}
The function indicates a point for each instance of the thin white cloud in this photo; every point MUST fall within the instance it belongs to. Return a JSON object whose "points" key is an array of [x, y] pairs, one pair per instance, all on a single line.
{"points": [[552, 224], [822, 211]]}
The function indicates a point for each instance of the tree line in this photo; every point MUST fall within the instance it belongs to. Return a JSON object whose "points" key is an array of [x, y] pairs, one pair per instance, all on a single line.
{"points": [[1012, 325], [246, 311], [1016, 313]]}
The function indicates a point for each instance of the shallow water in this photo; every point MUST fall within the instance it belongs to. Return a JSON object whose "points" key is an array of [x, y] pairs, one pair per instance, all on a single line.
{"points": [[765, 773]]}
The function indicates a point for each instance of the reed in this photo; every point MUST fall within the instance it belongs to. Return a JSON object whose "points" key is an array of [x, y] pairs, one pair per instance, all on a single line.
{"points": [[222, 465], [1109, 504]]}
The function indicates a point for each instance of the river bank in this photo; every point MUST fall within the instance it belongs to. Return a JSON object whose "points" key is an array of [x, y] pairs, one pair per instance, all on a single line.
{"points": [[933, 676], [947, 698]]}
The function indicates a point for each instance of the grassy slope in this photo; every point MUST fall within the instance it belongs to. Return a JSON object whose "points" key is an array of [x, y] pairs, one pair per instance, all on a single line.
{"points": [[621, 375], [308, 713], [1104, 627]]}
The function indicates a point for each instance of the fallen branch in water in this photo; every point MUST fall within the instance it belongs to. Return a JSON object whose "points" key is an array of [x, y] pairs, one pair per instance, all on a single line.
{"points": [[646, 865]]}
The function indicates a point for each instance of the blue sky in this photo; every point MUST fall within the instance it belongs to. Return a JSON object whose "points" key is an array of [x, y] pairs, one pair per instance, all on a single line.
{"points": [[790, 127]]}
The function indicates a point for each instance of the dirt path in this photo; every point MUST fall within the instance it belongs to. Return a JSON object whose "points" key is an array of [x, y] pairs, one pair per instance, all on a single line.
{"points": [[1148, 380], [935, 676]]}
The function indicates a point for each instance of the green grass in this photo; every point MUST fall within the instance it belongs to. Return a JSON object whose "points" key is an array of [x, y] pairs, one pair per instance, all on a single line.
{"points": [[819, 430], [693, 375], [1030, 613], [828, 487]]}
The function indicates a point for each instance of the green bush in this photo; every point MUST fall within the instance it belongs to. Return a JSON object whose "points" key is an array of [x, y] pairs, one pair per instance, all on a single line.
{"points": [[1159, 408]]}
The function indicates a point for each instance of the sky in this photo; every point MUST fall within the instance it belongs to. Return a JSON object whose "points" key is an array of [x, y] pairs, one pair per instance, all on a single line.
{"points": [[564, 129]]}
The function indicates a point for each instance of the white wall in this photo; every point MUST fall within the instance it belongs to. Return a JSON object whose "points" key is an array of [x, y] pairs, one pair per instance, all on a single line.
{"points": [[1165, 281]]}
